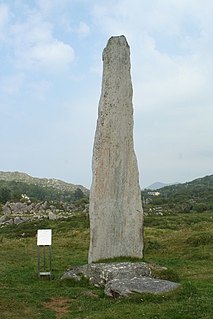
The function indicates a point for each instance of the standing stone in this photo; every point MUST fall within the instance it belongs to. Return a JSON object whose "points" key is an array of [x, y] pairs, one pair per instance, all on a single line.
{"points": [[116, 216]]}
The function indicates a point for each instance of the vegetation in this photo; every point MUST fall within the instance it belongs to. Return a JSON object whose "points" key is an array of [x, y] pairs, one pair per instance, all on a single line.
{"points": [[15, 184], [195, 196], [182, 242], [13, 190]]}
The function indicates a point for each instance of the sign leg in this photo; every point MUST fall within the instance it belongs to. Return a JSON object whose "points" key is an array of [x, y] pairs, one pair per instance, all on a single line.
{"points": [[39, 261]]}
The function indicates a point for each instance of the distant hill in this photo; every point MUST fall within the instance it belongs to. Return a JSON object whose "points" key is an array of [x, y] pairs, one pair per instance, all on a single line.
{"points": [[156, 185], [45, 182], [196, 195], [14, 184]]}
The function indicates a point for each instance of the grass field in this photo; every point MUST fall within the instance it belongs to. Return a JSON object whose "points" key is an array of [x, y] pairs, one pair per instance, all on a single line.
{"points": [[183, 243]]}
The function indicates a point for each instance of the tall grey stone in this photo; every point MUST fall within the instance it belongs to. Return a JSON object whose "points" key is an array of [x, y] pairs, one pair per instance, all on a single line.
{"points": [[116, 216]]}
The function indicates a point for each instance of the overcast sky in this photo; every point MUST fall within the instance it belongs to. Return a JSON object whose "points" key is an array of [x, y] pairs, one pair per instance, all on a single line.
{"points": [[50, 82]]}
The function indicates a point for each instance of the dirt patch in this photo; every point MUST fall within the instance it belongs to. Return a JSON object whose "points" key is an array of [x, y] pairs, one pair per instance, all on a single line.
{"points": [[90, 294], [59, 305]]}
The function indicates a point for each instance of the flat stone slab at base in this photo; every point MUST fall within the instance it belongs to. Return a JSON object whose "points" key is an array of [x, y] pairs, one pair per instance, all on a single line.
{"points": [[140, 285], [121, 279]]}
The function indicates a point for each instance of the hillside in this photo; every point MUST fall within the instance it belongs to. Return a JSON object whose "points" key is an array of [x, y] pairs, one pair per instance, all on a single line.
{"points": [[156, 185], [44, 182], [23, 196], [196, 195], [14, 184]]}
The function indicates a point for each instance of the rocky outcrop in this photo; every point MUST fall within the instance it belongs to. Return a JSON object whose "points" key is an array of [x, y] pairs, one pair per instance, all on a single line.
{"points": [[19, 212], [121, 279], [116, 217]]}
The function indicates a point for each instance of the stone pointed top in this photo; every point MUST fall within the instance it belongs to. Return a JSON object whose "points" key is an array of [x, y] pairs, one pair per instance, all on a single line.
{"points": [[120, 39], [122, 47]]}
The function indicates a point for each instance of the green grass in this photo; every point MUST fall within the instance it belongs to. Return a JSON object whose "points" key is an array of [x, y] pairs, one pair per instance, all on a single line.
{"points": [[183, 243]]}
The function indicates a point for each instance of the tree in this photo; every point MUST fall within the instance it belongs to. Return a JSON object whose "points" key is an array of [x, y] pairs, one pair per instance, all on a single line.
{"points": [[5, 195], [78, 194]]}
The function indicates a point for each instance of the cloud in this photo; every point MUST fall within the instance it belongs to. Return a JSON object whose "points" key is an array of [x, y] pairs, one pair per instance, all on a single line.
{"points": [[4, 14], [53, 55], [12, 84], [39, 89], [34, 44], [182, 20], [171, 66], [171, 57], [83, 29], [48, 5], [4, 18]]}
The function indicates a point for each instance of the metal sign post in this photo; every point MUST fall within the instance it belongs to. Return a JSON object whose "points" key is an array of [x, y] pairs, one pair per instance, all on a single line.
{"points": [[44, 239]]}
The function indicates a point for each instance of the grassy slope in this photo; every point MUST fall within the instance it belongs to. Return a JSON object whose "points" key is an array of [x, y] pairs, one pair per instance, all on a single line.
{"points": [[184, 243]]}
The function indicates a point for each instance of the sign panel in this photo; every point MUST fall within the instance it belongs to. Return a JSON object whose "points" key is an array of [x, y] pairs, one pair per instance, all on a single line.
{"points": [[44, 237]]}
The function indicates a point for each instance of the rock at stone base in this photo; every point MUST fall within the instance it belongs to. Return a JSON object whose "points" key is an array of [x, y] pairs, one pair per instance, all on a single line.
{"points": [[121, 279], [126, 286]]}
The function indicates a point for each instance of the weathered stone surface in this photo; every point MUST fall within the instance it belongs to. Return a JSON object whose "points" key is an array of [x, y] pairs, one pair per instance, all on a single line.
{"points": [[120, 279], [52, 216], [116, 217], [9, 222], [18, 212], [3, 219], [118, 287], [101, 273], [17, 220], [6, 209]]}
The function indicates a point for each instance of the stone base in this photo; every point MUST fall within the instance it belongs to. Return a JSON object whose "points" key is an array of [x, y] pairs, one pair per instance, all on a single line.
{"points": [[122, 278]]}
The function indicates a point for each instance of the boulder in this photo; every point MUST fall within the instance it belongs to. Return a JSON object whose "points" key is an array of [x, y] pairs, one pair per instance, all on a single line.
{"points": [[52, 216], [121, 279], [3, 219], [118, 287], [17, 220]]}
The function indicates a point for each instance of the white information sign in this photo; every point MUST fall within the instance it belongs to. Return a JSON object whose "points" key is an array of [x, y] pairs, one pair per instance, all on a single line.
{"points": [[44, 237]]}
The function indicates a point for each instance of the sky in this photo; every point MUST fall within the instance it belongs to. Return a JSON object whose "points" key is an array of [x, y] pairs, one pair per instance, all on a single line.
{"points": [[50, 83]]}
